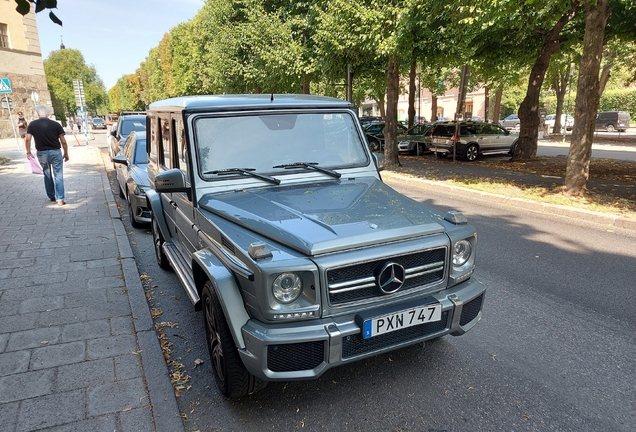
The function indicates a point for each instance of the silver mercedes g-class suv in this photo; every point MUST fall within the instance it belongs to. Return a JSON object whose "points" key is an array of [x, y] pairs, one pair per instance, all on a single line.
{"points": [[272, 212]]}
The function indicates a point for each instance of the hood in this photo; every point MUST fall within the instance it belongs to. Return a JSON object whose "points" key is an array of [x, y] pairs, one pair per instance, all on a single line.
{"points": [[327, 216]]}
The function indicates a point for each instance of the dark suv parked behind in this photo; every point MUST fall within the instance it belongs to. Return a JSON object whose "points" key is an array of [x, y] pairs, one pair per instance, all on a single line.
{"points": [[473, 139], [612, 121]]}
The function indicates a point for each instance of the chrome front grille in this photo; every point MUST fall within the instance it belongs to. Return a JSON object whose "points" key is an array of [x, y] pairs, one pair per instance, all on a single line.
{"points": [[359, 281]]}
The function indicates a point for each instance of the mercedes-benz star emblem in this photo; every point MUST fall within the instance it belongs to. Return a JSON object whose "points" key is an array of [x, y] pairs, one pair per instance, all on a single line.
{"points": [[390, 278]]}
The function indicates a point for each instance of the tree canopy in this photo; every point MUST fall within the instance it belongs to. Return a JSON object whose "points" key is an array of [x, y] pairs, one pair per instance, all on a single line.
{"points": [[61, 68], [322, 46]]}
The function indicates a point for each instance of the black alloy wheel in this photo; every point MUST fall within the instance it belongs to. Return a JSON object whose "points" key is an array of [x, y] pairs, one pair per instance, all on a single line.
{"points": [[131, 214], [472, 152], [231, 377], [157, 239], [374, 145]]}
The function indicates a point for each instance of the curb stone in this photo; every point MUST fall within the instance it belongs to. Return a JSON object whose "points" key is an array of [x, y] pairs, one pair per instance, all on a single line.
{"points": [[164, 405]]}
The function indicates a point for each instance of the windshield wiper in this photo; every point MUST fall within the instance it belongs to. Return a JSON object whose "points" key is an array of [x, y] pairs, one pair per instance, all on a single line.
{"points": [[310, 165], [244, 171]]}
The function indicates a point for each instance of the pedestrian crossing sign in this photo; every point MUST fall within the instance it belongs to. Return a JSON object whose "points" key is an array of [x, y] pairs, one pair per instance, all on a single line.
{"points": [[5, 85]]}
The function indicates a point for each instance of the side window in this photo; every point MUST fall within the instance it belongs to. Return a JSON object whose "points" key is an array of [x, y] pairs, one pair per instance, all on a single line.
{"points": [[153, 148], [495, 130], [182, 149], [164, 139]]}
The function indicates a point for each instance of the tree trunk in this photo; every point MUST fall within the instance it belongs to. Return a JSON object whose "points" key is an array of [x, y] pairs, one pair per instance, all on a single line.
{"points": [[605, 76], [560, 87], [433, 107], [587, 98], [381, 106], [306, 83], [412, 91], [486, 103], [390, 128], [529, 109], [496, 111]]}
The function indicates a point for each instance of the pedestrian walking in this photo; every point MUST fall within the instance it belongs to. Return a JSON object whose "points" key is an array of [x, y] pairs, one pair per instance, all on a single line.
{"points": [[49, 139], [79, 126], [22, 124]]}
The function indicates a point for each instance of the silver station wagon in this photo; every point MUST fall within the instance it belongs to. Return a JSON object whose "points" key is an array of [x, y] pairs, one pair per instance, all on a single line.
{"points": [[471, 139], [272, 213]]}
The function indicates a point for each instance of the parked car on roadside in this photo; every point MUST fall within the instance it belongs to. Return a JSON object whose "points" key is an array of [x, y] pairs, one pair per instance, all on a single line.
{"points": [[416, 140], [369, 119], [612, 121], [272, 212], [511, 122], [567, 121], [98, 123], [375, 134], [127, 123], [132, 177], [474, 139]]}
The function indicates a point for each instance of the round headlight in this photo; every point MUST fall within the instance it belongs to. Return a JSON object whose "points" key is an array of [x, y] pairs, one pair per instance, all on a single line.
{"points": [[461, 252], [287, 287]]}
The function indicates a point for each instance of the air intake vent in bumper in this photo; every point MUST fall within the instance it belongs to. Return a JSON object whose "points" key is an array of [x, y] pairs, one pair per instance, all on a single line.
{"points": [[295, 357], [471, 310]]}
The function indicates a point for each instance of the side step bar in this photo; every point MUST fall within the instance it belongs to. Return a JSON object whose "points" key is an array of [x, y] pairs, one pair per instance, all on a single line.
{"points": [[183, 271]]}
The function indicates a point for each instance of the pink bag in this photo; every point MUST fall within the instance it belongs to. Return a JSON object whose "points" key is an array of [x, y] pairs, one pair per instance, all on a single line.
{"points": [[35, 165]]}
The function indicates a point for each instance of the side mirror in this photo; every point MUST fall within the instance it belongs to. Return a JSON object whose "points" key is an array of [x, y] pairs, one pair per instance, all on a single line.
{"points": [[171, 181], [120, 159]]}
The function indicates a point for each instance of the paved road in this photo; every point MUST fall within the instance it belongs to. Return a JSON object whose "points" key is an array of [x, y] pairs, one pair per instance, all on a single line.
{"points": [[607, 145], [554, 352]]}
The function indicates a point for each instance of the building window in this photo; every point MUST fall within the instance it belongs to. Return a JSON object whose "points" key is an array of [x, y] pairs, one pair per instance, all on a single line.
{"points": [[4, 36]]}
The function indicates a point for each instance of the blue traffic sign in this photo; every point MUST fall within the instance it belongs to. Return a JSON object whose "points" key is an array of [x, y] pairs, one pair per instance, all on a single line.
{"points": [[5, 85]]}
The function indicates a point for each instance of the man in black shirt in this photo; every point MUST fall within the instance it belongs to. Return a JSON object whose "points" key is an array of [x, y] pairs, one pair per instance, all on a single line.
{"points": [[49, 139]]}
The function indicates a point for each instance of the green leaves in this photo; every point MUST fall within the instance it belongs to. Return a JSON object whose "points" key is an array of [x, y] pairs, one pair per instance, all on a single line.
{"points": [[24, 7]]}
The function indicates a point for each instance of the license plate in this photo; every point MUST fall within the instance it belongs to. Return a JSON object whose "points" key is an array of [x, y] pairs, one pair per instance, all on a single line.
{"points": [[399, 320]]}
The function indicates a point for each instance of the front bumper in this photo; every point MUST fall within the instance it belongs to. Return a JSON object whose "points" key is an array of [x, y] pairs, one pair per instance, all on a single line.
{"points": [[406, 146], [140, 208], [305, 350]]}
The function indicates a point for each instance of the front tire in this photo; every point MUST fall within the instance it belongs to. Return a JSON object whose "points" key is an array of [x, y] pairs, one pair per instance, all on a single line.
{"points": [[131, 214], [374, 145], [157, 239], [231, 377], [471, 152]]}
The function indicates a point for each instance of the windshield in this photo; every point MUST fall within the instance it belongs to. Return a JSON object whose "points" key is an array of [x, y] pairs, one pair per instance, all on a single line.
{"points": [[130, 125], [265, 143]]}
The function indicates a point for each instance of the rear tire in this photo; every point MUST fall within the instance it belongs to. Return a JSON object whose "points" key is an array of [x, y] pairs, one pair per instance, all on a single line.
{"points": [[471, 152], [157, 239], [231, 377], [610, 128]]}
